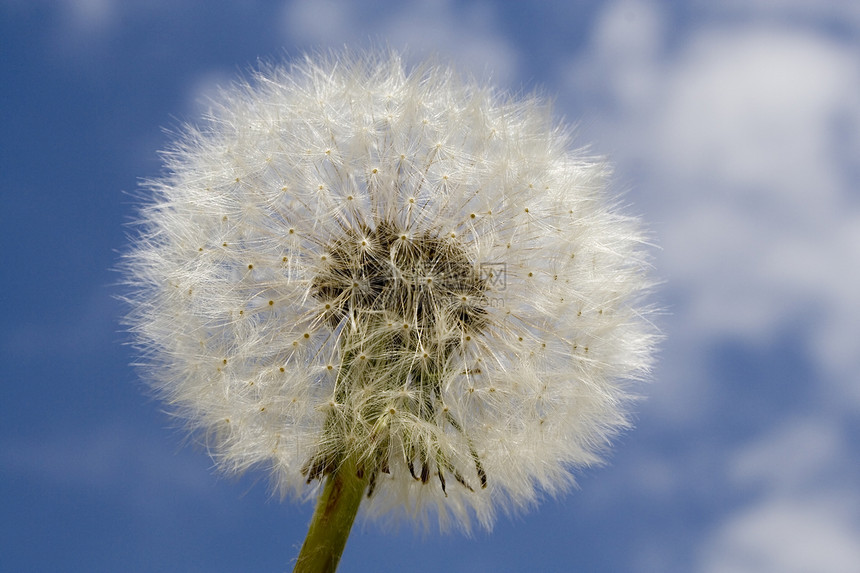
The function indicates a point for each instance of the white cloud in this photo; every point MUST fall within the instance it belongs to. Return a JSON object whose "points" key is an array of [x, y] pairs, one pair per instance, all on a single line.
{"points": [[806, 516], [797, 459], [748, 128], [752, 110], [627, 40], [424, 27], [324, 21], [744, 138], [786, 536], [81, 30], [88, 16], [845, 12], [742, 134]]}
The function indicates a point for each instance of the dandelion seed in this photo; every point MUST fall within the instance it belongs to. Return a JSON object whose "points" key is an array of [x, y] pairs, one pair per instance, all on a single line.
{"points": [[378, 237]]}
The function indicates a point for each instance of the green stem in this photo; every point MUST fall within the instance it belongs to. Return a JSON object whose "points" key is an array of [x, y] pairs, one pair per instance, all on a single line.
{"points": [[336, 509]]}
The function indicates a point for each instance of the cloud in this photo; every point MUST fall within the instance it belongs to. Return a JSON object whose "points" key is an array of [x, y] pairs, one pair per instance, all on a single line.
{"points": [[747, 148], [89, 16], [426, 27], [625, 50], [806, 514], [786, 536], [804, 12], [753, 111], [798, 458], [742, 136]]}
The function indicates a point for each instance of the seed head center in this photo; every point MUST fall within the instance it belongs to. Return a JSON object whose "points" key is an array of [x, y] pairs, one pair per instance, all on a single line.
{"points": [[422, 278]]}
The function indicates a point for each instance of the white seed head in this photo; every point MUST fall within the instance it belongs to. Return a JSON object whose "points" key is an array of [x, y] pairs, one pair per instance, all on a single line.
{"points": [[354, 259]]}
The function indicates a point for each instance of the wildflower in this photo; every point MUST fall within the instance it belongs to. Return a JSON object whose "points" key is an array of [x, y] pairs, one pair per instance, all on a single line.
{"points": [[401, 273]]}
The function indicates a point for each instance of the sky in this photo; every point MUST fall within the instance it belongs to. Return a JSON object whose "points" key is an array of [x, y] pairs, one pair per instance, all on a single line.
{"points": [[734, 129]]}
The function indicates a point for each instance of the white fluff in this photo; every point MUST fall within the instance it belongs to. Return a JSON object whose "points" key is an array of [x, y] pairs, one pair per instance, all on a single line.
{"points": [[352, 167]]}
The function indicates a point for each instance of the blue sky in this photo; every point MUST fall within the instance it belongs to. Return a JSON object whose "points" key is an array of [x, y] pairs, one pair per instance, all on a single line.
{"points": [[735, 131]]}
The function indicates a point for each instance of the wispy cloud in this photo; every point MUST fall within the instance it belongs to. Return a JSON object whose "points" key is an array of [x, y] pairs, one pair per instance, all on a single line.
{"points": [[468, 31], [90, 16], [741, 135], [805, 514], [744, 136], [786, 536]]}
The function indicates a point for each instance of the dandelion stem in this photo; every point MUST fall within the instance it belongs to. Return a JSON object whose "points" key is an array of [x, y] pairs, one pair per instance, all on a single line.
{"points": [[336, 509]]}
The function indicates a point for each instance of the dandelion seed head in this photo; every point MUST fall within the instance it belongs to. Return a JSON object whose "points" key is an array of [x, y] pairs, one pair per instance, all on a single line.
{"points": [[354, 259]]}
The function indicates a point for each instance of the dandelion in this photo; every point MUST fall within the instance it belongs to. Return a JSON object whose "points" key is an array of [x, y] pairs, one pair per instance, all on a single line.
{"points": [[392, 288]]}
